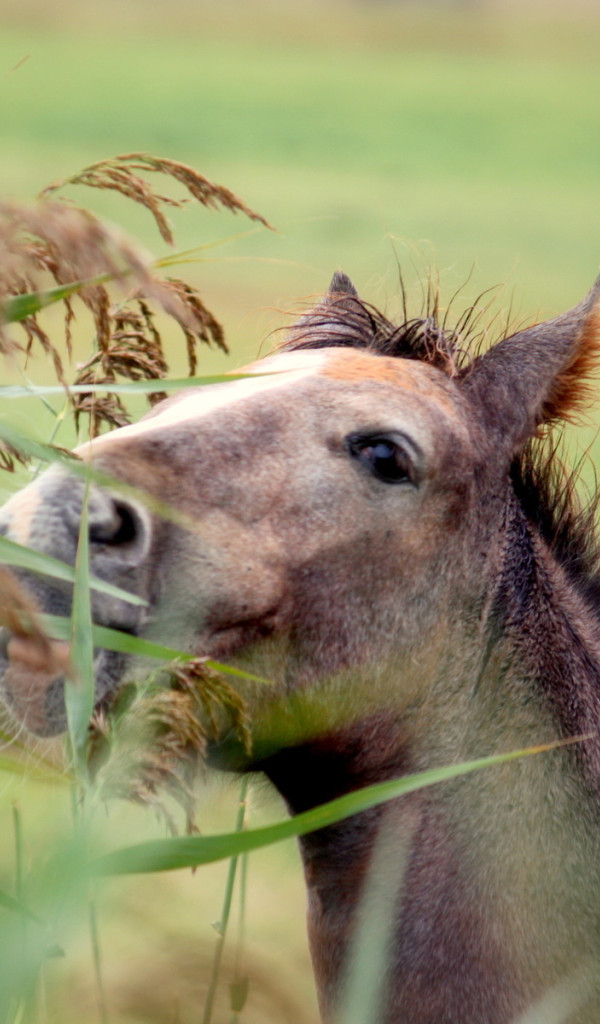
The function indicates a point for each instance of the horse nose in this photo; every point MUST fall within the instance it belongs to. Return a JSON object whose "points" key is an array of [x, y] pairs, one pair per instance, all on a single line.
{"points": [[46, 516], [118, 527]]}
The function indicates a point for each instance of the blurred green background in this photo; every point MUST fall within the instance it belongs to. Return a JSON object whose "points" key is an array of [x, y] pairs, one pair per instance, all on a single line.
{"points": [[460, 135], [463, 137]]}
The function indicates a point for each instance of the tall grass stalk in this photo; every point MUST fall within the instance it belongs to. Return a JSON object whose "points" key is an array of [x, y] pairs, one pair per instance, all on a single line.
{"points": [[239, 984], [364, 990], [226, 910], [79, 699], [31, 1007], [19, 866], [79, 692], [15, 554], [19, 885], [97, 958]]}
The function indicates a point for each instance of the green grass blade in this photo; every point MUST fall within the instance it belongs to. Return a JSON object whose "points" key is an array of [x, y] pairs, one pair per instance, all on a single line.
{"points": [[19, 867], [364, 989], [22, 557], [79, 692], [190, 255], [135, 387], [229, 670], [18, 307], [60, 881], [239, 985], [17, 906], [225, 911], [125, 643], [97, 961], [191, 851], [35, 449]]}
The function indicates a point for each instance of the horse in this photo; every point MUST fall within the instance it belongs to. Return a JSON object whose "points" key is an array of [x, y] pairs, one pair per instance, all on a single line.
{"points": [[379, 523]]}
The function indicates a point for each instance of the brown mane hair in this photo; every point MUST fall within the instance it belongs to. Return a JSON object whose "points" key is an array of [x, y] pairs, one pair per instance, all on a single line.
{"points": [[342, 319]]}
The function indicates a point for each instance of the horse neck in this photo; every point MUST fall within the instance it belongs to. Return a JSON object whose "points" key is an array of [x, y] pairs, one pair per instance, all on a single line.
{"points": [[523, 672]]}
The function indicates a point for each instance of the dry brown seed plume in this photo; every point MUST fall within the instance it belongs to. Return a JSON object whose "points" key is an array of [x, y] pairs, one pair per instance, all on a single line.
{"points": [[53, 243], [19, 615], [58, 243], [152, 741], [118, 174]]}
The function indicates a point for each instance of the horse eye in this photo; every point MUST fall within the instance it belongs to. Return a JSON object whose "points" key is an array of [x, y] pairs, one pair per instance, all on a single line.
{"points": [[384, 456]]}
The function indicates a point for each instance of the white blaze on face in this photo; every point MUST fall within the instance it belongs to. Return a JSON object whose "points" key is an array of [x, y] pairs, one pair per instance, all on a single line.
{"points": [[268, 374], [20, 512]]}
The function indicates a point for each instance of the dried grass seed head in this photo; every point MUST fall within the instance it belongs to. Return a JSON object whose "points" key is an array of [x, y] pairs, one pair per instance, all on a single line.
{"points": [[153, 739], [119, 174]]}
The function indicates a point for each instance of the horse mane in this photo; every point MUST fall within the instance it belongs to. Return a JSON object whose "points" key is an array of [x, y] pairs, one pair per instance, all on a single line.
{"points": [[549, 495], [546, 490]]}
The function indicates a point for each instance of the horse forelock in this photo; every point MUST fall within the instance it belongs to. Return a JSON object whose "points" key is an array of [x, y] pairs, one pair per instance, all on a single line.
{"points": [[349, 322]]}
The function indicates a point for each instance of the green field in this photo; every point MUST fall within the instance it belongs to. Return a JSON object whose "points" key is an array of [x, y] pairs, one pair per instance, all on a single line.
{"points": [[371, 136], [365, 134]]}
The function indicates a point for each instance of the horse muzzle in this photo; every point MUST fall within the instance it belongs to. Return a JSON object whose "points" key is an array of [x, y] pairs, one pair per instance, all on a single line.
{"points": [[46, 516]]}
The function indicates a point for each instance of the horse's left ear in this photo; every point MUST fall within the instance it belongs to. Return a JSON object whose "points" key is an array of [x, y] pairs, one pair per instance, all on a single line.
{"points": [[537, 376]]}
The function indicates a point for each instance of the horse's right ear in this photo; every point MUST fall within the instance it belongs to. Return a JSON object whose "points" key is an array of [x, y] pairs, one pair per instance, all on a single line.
{"points": [[340, 285], [332, 320], [538, 376]]}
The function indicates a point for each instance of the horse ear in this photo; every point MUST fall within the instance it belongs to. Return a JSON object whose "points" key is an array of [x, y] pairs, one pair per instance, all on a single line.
{"points": [[340, 285], [331, 320], [539, 376]]}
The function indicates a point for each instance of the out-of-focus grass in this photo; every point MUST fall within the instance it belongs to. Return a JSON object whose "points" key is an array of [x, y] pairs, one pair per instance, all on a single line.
{"points": [[156, 936], [475, 135]]}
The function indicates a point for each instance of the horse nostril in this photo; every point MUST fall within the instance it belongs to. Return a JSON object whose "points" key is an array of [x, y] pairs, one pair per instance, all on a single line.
{"points": [[119, 527], [128, 525]]}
